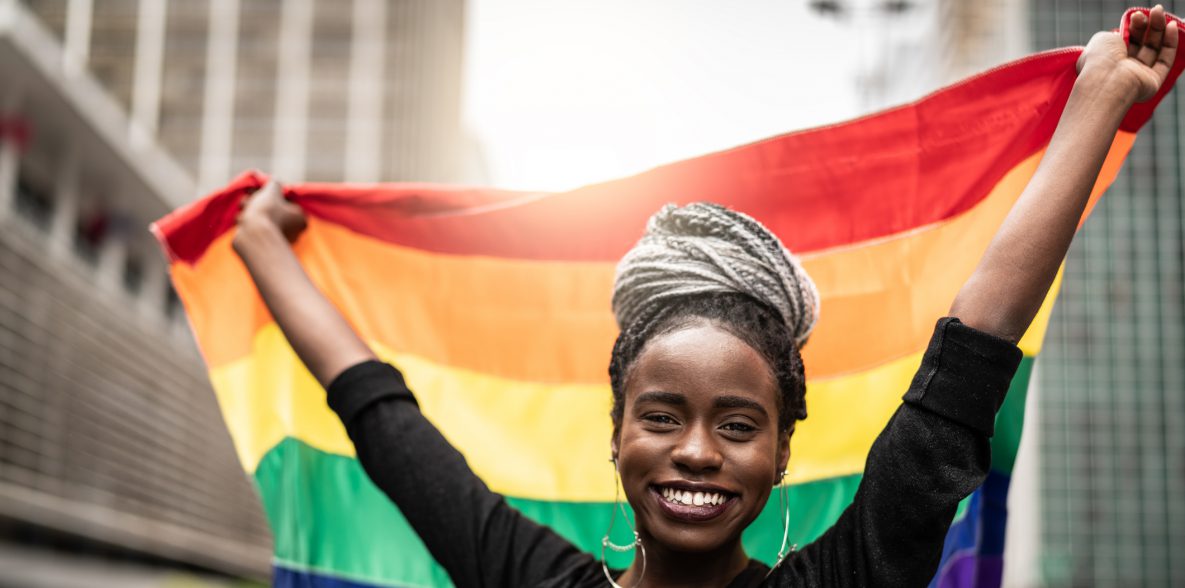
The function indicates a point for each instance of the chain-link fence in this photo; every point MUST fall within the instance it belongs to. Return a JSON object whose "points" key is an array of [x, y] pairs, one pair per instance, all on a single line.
{"points": [[1112, 375]]}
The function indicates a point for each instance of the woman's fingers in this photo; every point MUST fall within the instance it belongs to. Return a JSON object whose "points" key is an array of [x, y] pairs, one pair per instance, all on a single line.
{"points": [[1136, 32], [261, 199], [1150, 48], [270, 191], [1168, 50]]}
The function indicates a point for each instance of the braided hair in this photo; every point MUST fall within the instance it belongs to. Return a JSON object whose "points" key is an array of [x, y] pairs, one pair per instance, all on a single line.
{"points": [[704, 262]]}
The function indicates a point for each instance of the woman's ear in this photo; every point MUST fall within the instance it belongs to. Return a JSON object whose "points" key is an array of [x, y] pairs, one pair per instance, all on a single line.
{"points": [[784, 450], [613, 445]]}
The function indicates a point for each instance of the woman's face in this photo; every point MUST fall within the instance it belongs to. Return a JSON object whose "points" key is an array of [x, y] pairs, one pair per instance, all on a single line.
{"points": [[698, 447]]}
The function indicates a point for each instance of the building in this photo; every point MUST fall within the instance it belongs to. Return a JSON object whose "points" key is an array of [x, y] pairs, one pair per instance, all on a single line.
{"points": [[310, 90], [1112, 376], [896, 52], [1103, 506], [115, 467], [110, 440]]}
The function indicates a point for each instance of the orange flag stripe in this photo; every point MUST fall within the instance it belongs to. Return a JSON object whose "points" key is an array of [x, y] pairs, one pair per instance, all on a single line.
{"points": [[554, 316]]}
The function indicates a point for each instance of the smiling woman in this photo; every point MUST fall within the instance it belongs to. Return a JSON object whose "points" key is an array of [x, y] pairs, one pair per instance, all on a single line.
{"points": [[708, 381], [698, 464]]}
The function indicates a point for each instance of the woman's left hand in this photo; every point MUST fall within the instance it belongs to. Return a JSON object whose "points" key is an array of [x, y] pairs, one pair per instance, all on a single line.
{"points": [[1141, 64], [1013, 278]]}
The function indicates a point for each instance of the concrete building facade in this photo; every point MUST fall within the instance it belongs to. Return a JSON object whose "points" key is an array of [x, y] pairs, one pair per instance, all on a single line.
{"points": [[112, 113], [310, 90], [110, 440]]}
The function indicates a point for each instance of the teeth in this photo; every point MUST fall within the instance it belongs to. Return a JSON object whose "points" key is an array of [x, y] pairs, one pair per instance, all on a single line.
{"points": [[692, 498]]}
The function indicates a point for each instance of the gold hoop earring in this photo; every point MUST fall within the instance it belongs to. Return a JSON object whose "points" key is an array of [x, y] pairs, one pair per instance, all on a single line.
{"points": [[607, 544], [784, 507]]}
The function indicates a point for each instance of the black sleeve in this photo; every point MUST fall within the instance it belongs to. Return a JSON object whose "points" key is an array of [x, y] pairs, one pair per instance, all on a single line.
{"points": [[933, 453], [478, 538]]}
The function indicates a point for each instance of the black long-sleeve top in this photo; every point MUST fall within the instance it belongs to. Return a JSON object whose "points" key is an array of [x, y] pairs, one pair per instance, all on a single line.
{"points": [[933, 453]]}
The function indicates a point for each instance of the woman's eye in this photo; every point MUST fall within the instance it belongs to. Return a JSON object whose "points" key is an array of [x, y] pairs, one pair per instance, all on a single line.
{"points": [[659, 419], [737, 427]]}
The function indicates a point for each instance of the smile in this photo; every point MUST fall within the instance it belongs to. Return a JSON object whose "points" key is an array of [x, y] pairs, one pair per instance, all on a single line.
{"points": [[688, 498], [692, 505]]}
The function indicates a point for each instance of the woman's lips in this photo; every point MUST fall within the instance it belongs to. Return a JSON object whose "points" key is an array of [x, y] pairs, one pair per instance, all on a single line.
{"points": [[678, 509]]}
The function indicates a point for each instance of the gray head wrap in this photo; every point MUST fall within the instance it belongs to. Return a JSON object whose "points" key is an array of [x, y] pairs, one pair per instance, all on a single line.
{"points": [[705, 248]]}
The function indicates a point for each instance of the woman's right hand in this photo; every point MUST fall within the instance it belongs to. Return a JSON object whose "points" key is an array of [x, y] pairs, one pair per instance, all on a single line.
{"points": [[1141, 65], [268, 207], [321, 337]]}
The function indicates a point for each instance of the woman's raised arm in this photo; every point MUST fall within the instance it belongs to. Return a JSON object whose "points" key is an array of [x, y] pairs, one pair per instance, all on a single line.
{"points": [[321, 337], [1008, 286], [470, 530]]}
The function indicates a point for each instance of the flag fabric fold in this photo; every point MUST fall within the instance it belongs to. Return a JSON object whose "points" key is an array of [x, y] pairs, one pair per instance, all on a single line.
{"points": [[495, 305]]}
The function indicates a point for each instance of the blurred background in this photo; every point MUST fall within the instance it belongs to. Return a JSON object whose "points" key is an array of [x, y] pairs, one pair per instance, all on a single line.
{"points": [[115, 468]]}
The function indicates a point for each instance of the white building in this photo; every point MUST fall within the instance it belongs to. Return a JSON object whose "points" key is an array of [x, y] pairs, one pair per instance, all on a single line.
{"points": [[110, 440], [112, 113]]}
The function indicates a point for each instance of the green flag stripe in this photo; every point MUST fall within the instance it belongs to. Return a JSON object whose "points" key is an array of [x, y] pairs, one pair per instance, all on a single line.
{"points": [[1011, 419], [328, 517]]}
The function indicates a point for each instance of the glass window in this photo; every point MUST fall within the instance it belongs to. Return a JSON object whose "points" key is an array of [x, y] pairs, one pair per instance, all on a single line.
{"points": [[34, 203], [133, 274], [172, 303], [89, 233]]}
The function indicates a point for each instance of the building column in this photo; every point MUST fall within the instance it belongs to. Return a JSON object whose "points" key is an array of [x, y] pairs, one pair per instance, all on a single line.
{"points": [[154, 287], [1022, 543], [290, 140], [365, 131], [10, 159], [9, 165], [65, 211], [218, 106], [150, 51], [77, 42], [113, 254]]}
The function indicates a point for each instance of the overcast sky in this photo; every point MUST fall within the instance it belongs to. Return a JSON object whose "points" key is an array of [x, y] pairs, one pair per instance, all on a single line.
{"points": [[563, 93]]}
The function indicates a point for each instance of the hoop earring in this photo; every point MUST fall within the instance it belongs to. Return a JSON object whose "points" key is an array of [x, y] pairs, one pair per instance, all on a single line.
{"points": [[606, 543], [784, 504]]}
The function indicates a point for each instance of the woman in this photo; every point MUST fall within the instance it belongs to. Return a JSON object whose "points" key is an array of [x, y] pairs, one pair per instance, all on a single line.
{"points": [[708, 381]]}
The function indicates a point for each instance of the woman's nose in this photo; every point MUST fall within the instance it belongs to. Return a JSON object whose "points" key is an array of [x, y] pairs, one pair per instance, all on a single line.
{"points": [[696, 451]]}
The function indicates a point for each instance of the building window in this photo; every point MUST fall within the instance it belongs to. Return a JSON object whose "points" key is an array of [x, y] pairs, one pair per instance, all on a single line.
{"points": [[133, 275], [89, 232], [172, 303], [33, 203]]}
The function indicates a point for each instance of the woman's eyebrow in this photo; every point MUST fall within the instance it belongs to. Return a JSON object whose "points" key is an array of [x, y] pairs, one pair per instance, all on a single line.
{"points": [[729, 401], [661, 397]]}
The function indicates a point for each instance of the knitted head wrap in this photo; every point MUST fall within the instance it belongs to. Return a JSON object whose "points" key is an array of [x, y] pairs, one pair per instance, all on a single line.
{"points": [[705, 248]]}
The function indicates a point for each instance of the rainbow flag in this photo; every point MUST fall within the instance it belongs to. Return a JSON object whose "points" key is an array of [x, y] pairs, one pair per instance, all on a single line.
{"points": [[495, 305]]}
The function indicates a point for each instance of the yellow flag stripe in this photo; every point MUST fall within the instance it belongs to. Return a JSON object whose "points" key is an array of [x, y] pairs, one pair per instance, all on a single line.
{"points": [[530, 440]]}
